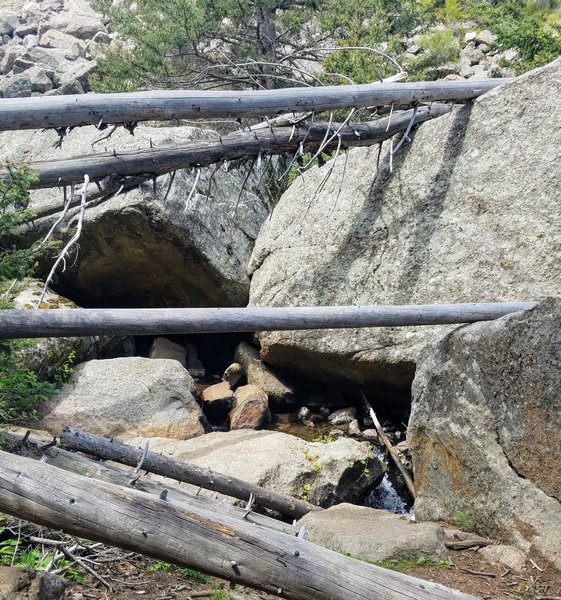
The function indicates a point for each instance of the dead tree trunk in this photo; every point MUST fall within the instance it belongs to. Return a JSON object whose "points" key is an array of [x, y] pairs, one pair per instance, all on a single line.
{"points": [[95, 109], [157, 161], [81, 465], [75, 439], [228, 548], [21, 323]]}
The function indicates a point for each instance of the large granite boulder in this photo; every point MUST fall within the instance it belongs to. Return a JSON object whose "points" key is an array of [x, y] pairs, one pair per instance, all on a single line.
{"points": [[324, 474], [470, 213], [373, 535], [151, 249], [128, 397], [485, 429]]}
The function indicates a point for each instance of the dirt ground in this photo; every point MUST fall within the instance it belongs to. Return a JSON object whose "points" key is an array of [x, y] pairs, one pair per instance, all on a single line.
{"points": [[132, 577]]}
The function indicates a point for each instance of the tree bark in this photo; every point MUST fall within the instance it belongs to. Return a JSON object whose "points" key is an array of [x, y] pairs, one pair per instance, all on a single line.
{"points": [[94, 109], [83, 441], [187, 536], [21, 323], [157, 161]]}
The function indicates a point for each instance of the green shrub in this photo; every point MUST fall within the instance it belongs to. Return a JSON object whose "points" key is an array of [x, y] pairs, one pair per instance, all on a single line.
{"points": [[521, 25], [20, 390], [439, 47]]}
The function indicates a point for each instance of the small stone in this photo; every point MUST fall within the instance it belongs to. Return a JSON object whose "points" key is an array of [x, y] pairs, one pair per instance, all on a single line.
{"points": [[233, 374], [304, 414], [343, 416], [511, 55], [370, 435], [509, 556], [251, 409], [219, 392], [8, 22], [470, 36], [354, 429], [486, 37]]}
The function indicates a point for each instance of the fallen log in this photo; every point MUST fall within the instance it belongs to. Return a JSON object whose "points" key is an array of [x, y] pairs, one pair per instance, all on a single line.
{"points": [[21, 323], [97, 109], [240, 145], [75, 439], [81, 465], [187, 536]]}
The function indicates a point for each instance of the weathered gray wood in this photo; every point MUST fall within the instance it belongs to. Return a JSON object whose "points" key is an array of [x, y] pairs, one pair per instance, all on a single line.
{"points": [[239, 145], [76, 439], [187, 536], [169, 321], [93, 109], [81, 465]]}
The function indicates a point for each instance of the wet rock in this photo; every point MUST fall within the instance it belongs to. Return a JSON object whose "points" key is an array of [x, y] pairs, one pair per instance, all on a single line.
{"points": [[128, 397], [251, 408], [342, 416], [485, 429], [373, 535], [24, 584], [164, 348]]}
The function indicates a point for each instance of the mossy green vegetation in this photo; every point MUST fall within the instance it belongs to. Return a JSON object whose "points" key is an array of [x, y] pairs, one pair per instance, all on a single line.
{"points": [[20, 390]]}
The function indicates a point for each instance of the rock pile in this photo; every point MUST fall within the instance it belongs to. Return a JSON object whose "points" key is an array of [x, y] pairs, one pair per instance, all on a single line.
{"points": [[49, 47], [476, 54]]}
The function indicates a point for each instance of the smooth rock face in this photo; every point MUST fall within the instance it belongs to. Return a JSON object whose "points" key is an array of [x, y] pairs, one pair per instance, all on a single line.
{"points": [[128, 397], [452, 223], [373, 535], [251, 408], [323, 474], [485, 429], [24, 584], [134, 249]]}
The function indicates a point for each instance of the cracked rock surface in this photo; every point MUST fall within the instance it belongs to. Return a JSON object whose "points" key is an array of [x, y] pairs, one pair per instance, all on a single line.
{"points": [[485, 429], [470, 213]]}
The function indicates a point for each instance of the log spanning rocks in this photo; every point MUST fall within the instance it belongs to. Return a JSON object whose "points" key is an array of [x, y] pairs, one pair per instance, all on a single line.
{"points": [[92, 109], [485, 429], [444, 219], [151, 162]]}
